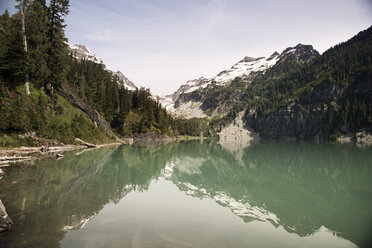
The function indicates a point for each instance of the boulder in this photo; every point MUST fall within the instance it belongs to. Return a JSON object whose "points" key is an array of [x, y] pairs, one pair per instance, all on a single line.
{"points": [[6, 223]]}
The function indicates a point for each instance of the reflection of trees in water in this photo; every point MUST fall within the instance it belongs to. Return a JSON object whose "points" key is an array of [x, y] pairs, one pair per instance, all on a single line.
{"points": [[64, 192], [305, 185]]}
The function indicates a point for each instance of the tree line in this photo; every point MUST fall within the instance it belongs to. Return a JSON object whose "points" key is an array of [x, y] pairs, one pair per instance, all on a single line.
{"points": [[35, 63]]}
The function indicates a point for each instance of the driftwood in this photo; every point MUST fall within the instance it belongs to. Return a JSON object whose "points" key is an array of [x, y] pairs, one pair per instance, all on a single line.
{"points": [[89, 145], [6, 223], [14, 158], [6, 160]]}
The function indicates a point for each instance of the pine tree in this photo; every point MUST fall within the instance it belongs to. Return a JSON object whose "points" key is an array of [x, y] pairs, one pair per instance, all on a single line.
{"points": [[57, 47], [36, 23], [4, 41], [13, 64]]}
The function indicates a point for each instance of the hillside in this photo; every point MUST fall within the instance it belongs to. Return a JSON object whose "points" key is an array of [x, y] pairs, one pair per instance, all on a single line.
{"points": [[52, 92], [202, 95], [298, 93], [329, 96]]}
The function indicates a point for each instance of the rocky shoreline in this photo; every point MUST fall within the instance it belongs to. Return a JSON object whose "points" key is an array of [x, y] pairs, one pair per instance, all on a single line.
{"points": [[28, 154]]}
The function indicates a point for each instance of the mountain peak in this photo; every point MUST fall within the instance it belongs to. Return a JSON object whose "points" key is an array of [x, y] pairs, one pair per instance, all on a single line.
{"points": [[81, 52], [126, 82], [275, 54], [82, 47], [248, 59], [303, 53]]}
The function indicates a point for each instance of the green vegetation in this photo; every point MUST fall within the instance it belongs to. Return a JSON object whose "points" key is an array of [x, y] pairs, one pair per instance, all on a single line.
{"points": [[340, 80], [337, 82], [194, 127], [35, 65], [128, 112], [58, 120], [34, 54]]}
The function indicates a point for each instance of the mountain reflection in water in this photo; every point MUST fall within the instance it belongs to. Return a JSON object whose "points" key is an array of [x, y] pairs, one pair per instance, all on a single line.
{"points": [[301, 188]]}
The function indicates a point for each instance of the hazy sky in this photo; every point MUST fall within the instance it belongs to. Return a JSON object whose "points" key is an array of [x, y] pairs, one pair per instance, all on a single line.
{"points": [[161, 44]]}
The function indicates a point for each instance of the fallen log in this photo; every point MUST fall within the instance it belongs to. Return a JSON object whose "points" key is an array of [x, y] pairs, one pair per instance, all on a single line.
{"points": [[4, 163], [89, 145], [14, 158]]}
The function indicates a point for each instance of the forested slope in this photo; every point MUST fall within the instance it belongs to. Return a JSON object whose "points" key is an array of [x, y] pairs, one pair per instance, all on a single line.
{"points": [[35, 65], [330, 96]]}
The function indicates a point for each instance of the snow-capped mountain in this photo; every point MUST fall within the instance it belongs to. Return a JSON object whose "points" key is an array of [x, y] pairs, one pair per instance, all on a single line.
{"points": [[129, 84], [240, 207], [245, 68], [81, 52]]}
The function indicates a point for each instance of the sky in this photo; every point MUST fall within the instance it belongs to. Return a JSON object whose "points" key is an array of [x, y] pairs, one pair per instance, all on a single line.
{"points": [[161, 44]]}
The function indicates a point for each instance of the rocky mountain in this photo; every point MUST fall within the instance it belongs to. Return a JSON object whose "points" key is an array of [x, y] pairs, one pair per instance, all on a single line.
{"points": [[81, 52], [129, 84], [298, 93], [330, 96], [192, 99]]}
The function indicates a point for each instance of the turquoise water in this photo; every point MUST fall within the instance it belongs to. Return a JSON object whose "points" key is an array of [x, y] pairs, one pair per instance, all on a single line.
{"points": [[193, 194]]}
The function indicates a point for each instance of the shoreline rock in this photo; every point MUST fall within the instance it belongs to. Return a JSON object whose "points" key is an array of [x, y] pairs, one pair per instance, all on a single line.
{"points": [[6, 223], [359, 138]]}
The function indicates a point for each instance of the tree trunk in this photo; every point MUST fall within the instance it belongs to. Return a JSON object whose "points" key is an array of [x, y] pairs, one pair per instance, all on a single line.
{"points": [[27, 85]]}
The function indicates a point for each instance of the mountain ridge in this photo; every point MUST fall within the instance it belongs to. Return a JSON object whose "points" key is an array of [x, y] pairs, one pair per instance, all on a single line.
{"points": [[302, 94], [81, 52], [245, 68]]}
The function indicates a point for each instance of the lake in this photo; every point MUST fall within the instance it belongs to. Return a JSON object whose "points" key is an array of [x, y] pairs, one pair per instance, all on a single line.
{"points": [[193, 194]]}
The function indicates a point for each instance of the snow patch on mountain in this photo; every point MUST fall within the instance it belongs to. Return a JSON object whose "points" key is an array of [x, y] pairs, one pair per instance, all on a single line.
{"points": [[127, 83], [243, 68], [81, 52], [239, 207], [167, 102]]}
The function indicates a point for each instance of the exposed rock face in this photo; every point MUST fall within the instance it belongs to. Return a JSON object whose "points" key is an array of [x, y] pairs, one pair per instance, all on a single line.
{"points": [[127, 83], [81, 52], [235, 131], [303, 53], [191, 110], [76, 101], [6, 223]]}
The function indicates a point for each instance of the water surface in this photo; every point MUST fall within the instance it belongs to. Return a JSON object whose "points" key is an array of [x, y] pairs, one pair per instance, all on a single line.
{"points": [[193, 194]]}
